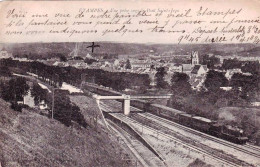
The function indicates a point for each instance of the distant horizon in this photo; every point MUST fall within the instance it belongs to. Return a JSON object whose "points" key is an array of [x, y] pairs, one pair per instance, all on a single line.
{"points": [[137, 43], [46, 49]]}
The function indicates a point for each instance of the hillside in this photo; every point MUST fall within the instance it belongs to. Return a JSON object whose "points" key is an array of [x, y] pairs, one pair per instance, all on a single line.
{"points": [[47, 50], [29, 139]]}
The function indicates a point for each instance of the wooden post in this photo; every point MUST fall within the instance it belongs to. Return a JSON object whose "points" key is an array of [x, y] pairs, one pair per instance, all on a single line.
{"points": [[52, 110]]}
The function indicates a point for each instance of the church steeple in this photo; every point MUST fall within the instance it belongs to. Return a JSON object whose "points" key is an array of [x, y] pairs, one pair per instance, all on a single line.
{"points": [[194, 58]]}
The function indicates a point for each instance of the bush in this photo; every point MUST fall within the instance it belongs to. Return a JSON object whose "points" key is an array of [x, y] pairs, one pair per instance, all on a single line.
{"points": [[16, 107], [78, 117], [65, 111]]}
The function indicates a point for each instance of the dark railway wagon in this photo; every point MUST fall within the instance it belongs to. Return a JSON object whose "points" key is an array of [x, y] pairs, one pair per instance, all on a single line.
{"points": [[140, 104], [185, 119], [215, 130], [165, 112], [201, 124]]}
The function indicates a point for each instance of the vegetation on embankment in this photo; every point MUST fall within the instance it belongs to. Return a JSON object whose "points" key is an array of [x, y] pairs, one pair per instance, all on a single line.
{"points": [[30, 139]]}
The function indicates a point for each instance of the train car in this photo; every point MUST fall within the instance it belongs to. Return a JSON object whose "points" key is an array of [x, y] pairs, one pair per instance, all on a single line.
{"points": [[140, 104], [201, 124], [165, 112], [185, 119], [215, 129]]}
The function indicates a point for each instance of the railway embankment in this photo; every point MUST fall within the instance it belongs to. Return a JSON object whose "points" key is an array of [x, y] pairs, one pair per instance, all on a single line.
{"points": [[30, 139], [134, 133]]}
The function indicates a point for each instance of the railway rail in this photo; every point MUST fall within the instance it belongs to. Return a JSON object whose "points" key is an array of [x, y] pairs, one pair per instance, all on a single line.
{"points": [[139, 149], [176, 140], [252, 147], [217, 140], [148, 116], [255, 150]]}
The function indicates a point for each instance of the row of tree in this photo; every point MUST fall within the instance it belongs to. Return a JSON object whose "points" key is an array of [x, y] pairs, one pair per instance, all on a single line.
{"points": [[55, 76]]}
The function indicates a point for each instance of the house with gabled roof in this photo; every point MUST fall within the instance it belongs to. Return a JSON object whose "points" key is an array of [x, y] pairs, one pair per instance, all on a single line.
{"points": [[199, 70]]}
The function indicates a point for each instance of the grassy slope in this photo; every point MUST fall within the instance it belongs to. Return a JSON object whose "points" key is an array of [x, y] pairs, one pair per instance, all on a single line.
{"points": [[29, 139]]}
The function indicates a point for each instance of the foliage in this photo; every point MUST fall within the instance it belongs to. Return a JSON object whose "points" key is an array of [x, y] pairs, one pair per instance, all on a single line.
{"points": [[180, 84], [4, 71], [128, 64], [215, 80], [38, 93], [159, 76], [62, 57], [89, 61], [210, 61], [55, 76], [152, 67], [77, 116], [15, 89], [249, 84], [65, 111], [17, 107], [252, 67], [231, 64]]}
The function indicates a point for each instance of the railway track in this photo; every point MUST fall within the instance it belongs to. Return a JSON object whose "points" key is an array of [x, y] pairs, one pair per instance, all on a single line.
{"points": [[217, 140], [148, 157], [124, 138], [176, 140], [250, 146], [148, 116], [256, 149], [139, 149], [212, 151], [199, 150]]}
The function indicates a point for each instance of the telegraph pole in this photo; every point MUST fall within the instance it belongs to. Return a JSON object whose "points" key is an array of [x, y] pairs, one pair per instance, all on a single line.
{"points": [[52, 108], [52, 103]]}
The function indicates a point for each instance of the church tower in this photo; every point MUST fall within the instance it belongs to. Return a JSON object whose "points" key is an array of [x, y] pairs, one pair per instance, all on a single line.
{"points": [[194, 58]]}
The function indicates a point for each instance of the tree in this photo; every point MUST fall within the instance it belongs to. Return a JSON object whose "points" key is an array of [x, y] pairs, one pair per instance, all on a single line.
{"points": [[180, 84], [62, 57], [38, 93], [252, 67], [89, 61], [231, 64], [62, 108], [152, 67], [65, 111], [249, 84], [210, 61], [128, 64], [4, 71], [215, 80], [14, 90], [159, 76]]}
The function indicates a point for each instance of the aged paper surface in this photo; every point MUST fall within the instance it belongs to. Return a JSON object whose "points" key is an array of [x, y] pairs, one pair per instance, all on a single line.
{"points": [[153, 22], [130, 83]]}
